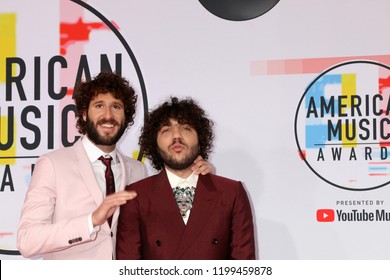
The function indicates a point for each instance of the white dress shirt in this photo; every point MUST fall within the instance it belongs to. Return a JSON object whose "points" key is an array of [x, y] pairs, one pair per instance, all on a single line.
{"points": [[175, 181], [99, 169]]}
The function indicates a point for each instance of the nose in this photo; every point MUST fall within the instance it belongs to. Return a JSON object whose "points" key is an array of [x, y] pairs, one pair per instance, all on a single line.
{"points": [[176, 132], [107, 113]]}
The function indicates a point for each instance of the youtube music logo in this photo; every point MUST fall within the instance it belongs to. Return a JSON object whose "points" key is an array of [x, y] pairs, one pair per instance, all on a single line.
{"points": [[325, 215]]}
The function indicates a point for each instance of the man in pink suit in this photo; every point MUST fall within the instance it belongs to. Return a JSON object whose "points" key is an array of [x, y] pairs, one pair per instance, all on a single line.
{"points": [[66, 210], [178, 214]]}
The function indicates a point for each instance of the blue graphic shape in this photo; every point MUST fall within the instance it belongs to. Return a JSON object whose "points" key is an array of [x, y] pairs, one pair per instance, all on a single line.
{"points": [[316, 134], [376, 168], [317, 90]]}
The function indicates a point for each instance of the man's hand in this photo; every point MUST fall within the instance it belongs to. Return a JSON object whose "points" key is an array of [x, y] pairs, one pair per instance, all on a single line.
{"points": [[108, 206], [201, 166]]}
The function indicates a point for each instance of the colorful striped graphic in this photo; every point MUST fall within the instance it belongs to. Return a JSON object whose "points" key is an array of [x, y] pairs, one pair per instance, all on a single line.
{"points": [[305, 65]]}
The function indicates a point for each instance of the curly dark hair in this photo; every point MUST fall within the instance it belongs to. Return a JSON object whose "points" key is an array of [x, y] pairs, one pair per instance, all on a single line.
{"points": [[185, 111], [103, 83]]}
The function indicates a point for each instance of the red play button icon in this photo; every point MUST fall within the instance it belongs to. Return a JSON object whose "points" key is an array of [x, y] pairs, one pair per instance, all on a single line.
{"points": [[325, 215]]}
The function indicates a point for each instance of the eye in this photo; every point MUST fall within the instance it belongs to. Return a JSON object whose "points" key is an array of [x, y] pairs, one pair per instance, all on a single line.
{"points": [[186, 128], [164, 129]]}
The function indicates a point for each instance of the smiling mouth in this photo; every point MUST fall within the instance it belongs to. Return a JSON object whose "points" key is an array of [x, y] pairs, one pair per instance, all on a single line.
{"points": [[107, 125]]}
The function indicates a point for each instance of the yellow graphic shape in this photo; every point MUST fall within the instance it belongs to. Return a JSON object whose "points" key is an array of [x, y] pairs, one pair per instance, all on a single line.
{"points": [[7, 156], [7, 41], [348, 129], [348, 88], [135, 155]]}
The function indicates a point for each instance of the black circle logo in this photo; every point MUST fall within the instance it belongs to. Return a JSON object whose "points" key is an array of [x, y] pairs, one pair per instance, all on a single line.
{"points": [[342, 125], [238, 10]]}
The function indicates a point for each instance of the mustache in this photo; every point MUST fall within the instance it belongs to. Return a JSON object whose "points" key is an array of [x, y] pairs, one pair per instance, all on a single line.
{"points": [[110, 121], [177, 141]]}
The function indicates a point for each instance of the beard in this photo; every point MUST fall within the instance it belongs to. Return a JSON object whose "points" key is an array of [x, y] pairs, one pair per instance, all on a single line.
{"points": [[106, 140], [186, 162]]}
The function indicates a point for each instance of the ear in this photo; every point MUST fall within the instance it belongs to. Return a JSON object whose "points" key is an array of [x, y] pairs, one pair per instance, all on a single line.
{"points": [[84, 115]]}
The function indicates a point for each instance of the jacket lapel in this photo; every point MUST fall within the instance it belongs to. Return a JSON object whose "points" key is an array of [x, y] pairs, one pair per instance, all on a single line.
{"points": [[122, 185], [123, 171], [86, 172], [167, 206], [167, 210], [206, 197]]}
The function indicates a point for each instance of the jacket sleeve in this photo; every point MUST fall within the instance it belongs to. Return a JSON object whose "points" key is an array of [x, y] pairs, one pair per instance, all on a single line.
{"points": [[242, 234], [37, 233]]}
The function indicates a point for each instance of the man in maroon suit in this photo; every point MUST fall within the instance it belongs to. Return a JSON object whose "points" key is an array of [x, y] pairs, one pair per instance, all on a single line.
{"points": [[178, 214]]}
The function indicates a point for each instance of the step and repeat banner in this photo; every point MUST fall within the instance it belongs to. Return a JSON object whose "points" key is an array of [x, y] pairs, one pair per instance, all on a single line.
{"points": [[299, 92]]}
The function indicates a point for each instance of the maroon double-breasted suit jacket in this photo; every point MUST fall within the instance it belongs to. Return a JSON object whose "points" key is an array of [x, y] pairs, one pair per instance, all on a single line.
{"points": [[220, 224]]}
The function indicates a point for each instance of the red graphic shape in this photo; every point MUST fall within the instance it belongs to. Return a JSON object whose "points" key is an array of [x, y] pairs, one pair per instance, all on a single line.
{"points": [[3, 234], [77, 32], [384, 83], [302, 154]]}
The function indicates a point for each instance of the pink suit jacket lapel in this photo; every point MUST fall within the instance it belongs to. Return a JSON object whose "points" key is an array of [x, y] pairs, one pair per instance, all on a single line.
{"points": [[122, 186], [86, 172]]}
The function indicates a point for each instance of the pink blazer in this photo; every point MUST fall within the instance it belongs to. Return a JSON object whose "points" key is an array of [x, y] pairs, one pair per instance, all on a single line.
{"points": [[62, 193], [219, 227]]}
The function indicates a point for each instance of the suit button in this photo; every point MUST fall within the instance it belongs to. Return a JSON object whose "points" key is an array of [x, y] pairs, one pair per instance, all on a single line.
{"points": [[79, 239], [158, 243], [214, 241], [70, 242]]}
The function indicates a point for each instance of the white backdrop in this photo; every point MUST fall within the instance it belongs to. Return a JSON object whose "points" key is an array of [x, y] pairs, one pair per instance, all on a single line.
{"points": [[237, 71]]}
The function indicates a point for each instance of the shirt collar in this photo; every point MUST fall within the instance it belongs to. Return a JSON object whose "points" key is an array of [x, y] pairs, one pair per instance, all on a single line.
{"points": [[94, 152], [175, 180]]}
